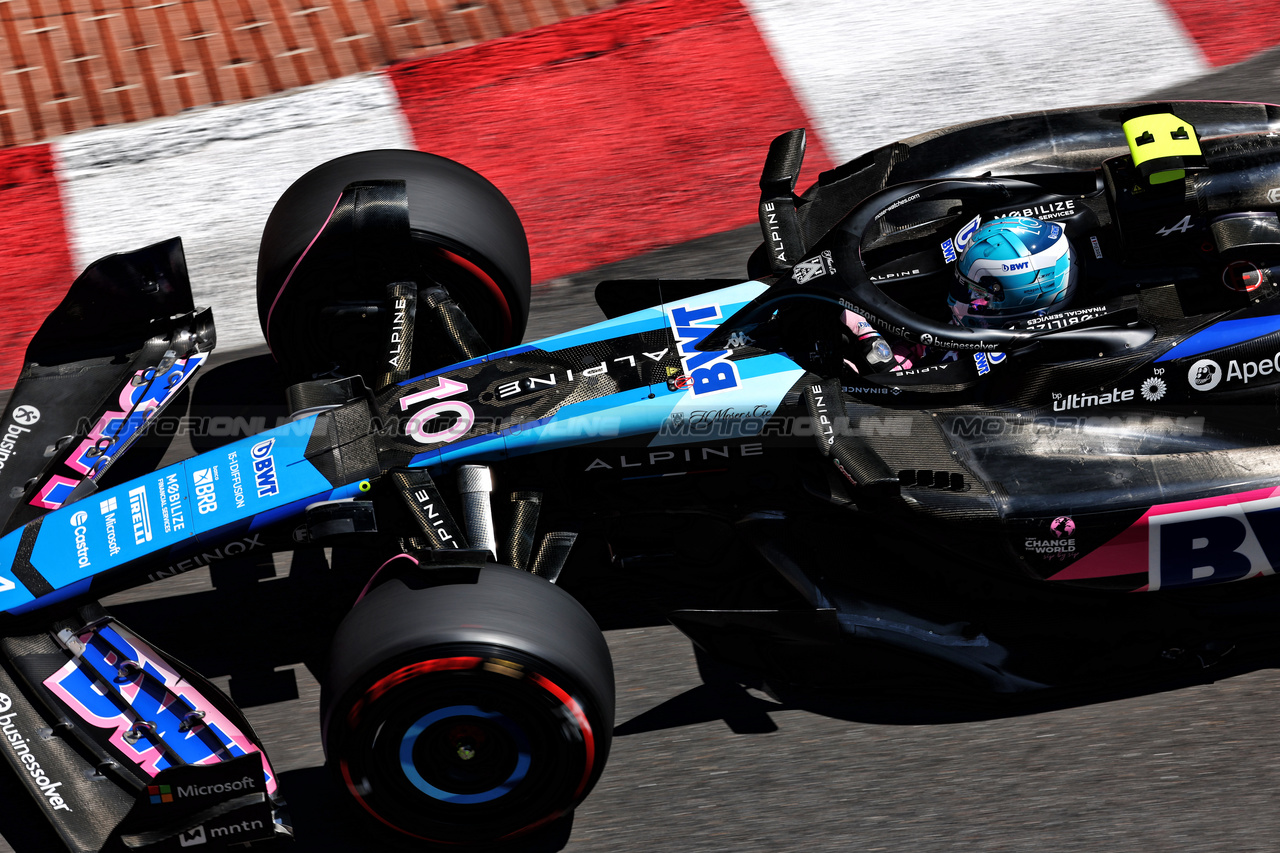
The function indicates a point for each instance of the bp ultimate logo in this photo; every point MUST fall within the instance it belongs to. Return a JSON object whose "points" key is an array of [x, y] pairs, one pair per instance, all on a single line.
{"points": [[708, 372]]}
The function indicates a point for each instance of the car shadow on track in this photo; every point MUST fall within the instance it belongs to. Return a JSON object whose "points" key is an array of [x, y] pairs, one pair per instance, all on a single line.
{"points": [[745, 703]]}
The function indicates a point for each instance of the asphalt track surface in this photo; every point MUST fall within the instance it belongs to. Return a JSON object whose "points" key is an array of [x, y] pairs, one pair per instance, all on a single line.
{"points": [[697, 767]]}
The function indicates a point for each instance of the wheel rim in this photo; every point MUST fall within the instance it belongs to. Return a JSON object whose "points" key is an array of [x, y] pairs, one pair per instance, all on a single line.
{"points": [[470, 754], [466, 748]]}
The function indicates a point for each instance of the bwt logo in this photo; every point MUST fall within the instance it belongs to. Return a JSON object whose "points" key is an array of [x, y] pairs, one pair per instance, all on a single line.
{"points": [[1015, 267], [708, 372], [1215, 544], [264, 468]]}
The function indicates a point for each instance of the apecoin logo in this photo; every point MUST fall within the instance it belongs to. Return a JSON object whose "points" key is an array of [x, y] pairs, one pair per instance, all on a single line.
{"points": [[1204, 375]]}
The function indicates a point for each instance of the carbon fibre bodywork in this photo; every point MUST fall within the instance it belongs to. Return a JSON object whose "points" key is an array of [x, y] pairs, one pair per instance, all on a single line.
{"points": [[983, 516]]}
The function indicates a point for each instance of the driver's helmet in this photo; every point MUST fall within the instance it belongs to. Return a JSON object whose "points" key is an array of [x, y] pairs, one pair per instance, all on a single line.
{"points": [[1013, 268]]}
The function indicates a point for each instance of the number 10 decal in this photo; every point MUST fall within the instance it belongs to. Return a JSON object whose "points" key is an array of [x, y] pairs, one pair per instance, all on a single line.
{"points": [[466, 416]]}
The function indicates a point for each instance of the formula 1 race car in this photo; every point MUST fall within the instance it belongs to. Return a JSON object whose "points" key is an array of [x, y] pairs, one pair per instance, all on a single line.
{"points": [[977, 521]]}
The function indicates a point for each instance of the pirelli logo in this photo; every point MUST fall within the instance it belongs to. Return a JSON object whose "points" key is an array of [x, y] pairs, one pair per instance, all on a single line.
{"points": [[139, 514]]}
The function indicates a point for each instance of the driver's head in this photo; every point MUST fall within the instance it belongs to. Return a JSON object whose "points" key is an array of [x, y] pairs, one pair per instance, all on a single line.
{"points": [[1012, 269]]}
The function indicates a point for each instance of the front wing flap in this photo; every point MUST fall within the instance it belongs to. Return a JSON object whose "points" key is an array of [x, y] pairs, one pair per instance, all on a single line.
{"points": [[123, 342], [118, 743]]}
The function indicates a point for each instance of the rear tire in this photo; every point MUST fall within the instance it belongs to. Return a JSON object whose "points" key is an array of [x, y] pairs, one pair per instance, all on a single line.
{"points": [[468, 712], [465, 236]]}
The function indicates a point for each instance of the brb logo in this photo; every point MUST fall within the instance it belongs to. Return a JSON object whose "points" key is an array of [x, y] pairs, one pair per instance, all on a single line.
{"points": [[206, 491], [1214, 544], [708, 372]]}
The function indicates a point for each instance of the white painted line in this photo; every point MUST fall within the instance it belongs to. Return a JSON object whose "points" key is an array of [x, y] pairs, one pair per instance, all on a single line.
{"points": [[873, 71], [211, 177]]}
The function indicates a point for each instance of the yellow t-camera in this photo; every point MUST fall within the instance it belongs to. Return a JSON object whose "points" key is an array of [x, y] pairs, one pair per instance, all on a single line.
{"points": [[1163, 146]]}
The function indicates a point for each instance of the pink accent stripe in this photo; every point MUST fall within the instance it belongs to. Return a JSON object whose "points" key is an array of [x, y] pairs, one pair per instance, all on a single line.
{"points": [[289, 277], [42, 498], [1127, 553], [374, 577]]}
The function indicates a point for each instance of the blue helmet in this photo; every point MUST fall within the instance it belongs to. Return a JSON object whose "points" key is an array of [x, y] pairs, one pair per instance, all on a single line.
{"points": [[1013, 268]]}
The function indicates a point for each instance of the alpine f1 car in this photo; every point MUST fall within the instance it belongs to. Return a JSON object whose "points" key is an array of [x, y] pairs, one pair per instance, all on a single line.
{"points": [[1082, 496]]}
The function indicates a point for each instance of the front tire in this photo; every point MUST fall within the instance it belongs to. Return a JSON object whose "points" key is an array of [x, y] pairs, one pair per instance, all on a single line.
{"points": [[465, 236], [471, 712]]}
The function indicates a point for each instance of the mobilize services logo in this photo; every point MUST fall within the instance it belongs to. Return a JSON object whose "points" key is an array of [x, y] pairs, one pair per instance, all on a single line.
{"points": [[22, 749]]}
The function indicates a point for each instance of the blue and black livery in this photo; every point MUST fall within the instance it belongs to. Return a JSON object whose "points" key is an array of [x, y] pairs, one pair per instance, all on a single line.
{"points": [[711, 432]]}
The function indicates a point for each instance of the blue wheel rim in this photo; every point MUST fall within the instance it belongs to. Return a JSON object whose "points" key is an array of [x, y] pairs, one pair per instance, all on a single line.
{"points": [[414, 731]]}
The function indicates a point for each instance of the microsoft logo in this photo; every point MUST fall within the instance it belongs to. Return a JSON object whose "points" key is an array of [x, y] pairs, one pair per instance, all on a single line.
{"points": [[160, 794]]}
